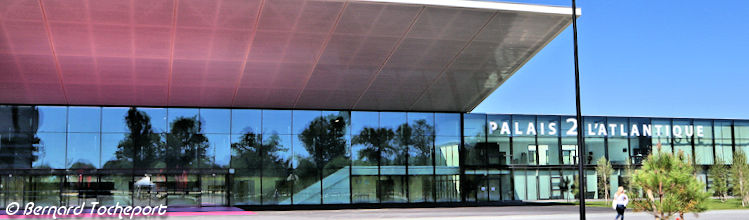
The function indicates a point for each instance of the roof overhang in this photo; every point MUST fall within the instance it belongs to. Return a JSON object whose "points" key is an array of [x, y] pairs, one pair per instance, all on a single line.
{"points": [[405, 55]]}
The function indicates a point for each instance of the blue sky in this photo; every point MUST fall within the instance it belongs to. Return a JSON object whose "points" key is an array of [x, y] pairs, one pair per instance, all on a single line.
{"points": [[639, 58]]}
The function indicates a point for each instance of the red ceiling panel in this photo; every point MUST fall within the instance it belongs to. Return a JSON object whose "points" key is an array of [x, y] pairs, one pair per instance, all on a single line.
{"points": [[317, 54]]}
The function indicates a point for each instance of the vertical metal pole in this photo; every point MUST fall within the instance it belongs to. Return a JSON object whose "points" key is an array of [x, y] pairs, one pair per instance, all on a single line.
{"points": [[580, 141]]}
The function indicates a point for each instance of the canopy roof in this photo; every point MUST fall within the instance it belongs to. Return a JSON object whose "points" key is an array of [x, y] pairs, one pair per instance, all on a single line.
{"points": [[406, 55]]}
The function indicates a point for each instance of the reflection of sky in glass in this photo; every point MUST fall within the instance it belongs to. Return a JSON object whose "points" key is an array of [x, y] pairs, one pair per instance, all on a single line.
{"points": [[245, 120], [219, 150], [276, 121], [84, 119], [51, 150], [360, 120], [113, 119], [215, 120], [158, 118], [52, 119], [392, 120], [300, 151], [175, 113], [109, 144], [447, 124], [83, 148], [302, 120]]}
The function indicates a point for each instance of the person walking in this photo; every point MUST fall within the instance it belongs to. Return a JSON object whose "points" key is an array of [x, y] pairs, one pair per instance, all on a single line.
{"points": [[620, 203]]}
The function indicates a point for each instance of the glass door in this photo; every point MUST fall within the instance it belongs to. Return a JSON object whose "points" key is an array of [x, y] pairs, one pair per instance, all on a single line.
{"points": [[213, 190]]}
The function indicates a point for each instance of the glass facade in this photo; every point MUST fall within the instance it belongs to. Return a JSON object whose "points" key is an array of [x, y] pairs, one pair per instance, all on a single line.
{"points": [[257, 157]]}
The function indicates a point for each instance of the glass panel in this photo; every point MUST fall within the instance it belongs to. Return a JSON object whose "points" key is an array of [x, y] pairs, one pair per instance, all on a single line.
{"points": [[185, 143], [499, 125], [213, 190], [724, 150], [548, 126], [446, 152], [182, 115], [17, 150], [595, 127], [683, 132], [393, 188], [422, 123], [544, 185], [18, 119], [742, 145], [475, 151], [595, 150], [245, 121], [43, 190], [51, 152], [303, 121], [218, 153], [420, 155], [474, 125], [157, 118], [84, 119], [703, 144], [183, 190], [618, 127], [447, 124], [276, 122], [741, 129], [499, 151], [618, 150], [364, 189], [569, 151], [523, 125], [52, 118], [83, 151], [519, 178], [548, 151], [215, 120], [531, 176], [115, 189], [307, 165], [524, 150], [722, 129], [246, 187], [448, 188], [506, 185], [277, 170], [335, 156], [421, 189], [113, 119]]}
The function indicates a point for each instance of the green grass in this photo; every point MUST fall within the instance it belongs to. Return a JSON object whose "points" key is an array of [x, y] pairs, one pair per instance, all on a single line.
{"points": [[712, 204]]}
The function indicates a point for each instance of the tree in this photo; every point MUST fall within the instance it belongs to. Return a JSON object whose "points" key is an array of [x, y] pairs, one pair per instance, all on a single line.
{"points": [[374, 140], [740, 177], [669, 186], [604, 171], [575, 186], [720, 174], [141, 147]]}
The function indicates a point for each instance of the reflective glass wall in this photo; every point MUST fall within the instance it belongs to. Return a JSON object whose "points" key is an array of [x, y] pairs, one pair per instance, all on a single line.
{"points": [[215, 157], [530, 157]]}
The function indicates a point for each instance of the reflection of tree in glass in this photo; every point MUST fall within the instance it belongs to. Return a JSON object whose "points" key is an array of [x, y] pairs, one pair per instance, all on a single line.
{"points": [[141, 145], [392, 145], [252, 153], [324, 140], [20, 146], [185, 144], [374, 140]]}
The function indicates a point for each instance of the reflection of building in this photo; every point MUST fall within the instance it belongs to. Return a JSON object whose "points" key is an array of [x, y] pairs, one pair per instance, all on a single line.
{"points": [[273, 103]]}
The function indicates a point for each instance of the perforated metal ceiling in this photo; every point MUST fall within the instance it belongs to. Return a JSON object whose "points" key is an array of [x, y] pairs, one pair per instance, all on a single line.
{"points": [[360, 55]]}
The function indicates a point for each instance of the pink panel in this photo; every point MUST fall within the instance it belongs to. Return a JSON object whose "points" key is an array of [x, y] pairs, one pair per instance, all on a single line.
{"points": [[84, 94], [152, 41], [197, 13], [78, 70], [117, 12], [150, 95], [71, 39], [268, 46], [230, 45], [116, 71], [238, 14], [152, 72], [45, 93], [38, 69], [318, 16], [192, 43], [216, 96], [28, 37], [110, 40], [221, 74], [11, 72], [154, 12], [304, 47], [21, 10], [280, 15], [187, 73], [65, 10]]}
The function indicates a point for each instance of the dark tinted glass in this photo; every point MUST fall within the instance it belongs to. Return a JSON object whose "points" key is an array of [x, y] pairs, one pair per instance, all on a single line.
{"points": [[474, 125]]}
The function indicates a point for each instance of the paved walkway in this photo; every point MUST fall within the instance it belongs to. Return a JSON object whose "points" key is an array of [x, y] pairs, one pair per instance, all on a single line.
{"points": [[465, 213]]}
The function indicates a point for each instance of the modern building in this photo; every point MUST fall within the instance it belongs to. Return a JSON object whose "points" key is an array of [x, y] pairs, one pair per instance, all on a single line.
{"points": [[297, 104]]}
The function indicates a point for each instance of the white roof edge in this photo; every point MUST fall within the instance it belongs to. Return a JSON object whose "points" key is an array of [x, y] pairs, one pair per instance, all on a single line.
{"points": [[504, 6]]}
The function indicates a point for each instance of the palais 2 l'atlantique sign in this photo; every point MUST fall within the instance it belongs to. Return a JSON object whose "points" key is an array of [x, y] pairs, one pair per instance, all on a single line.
{"points": [[569, 128]]}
